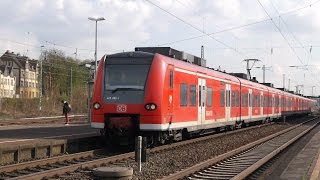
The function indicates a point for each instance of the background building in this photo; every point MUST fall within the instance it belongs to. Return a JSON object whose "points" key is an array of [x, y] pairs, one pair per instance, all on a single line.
{"points": [[25, 71], [7, 83]]}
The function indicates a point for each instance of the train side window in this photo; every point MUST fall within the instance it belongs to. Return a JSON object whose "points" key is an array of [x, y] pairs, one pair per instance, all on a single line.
{"points": [[254, 100], [233, 99], [222, 97], [183, 94], [171, 79], [209, 96], [242, 100], [237, 99], [192, 95]]}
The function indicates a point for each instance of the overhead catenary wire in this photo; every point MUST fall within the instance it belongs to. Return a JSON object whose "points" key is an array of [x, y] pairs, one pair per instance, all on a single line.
{"points": [[298, 57], [293, 35], [190, 38], [194, 27]]}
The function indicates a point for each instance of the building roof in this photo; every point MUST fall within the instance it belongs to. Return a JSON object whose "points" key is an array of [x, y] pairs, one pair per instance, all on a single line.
{"points": [[20, 60]]}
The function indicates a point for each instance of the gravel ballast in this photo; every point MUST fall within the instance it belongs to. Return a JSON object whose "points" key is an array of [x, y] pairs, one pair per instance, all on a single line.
{"points": [[167, 162]]}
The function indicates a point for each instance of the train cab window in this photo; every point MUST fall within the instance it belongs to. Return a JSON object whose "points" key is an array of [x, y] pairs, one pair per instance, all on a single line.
{"points": [[192, 95], [183, 94], [222, 98], [171, 79]]}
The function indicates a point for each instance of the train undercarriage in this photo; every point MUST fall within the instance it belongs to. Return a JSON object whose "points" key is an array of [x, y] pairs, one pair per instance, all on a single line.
{"points": [[122, 130]]}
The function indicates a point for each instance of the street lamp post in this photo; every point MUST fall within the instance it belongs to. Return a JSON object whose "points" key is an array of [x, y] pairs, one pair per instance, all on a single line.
{"points": [[96, 19]]}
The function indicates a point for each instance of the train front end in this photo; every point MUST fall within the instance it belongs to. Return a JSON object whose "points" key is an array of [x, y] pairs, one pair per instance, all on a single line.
{"points": [[118, 96]]}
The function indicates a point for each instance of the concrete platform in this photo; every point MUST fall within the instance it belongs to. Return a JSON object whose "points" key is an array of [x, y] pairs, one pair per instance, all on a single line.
{"points": [[23, 142], [315, 173], [21, 133], [306, 162]]}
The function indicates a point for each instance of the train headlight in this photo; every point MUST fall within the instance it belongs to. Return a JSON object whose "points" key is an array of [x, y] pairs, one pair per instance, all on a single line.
{"points": [[96, 105], [150, 106]]}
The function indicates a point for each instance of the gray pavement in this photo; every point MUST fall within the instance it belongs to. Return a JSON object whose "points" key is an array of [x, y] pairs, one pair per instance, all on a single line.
{"points": [[24, 133], [304, 162]]}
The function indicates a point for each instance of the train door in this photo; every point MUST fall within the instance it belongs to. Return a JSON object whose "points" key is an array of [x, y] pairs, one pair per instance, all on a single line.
{"points": [[228, 102], [201, 100], [170, 91], [261, 103], [250, 103]]}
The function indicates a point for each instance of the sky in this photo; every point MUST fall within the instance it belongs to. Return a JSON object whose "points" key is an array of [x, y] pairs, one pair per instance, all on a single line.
{"points": [[282, 34]]}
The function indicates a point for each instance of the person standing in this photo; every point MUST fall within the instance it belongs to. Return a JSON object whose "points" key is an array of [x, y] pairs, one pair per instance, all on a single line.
{"points": [[66, 109]]}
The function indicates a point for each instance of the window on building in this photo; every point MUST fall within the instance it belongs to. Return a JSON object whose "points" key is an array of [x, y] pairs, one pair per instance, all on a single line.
{"points": [[192, 99], [183, 94], [32, 94], [222, 97], [11, 82], [209, 96]]}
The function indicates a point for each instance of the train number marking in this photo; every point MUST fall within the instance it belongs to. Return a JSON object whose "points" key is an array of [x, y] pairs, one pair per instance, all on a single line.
{"points": [[121, 108]]}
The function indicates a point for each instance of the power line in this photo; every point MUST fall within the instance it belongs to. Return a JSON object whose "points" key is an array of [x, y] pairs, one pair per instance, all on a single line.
{"points": [[194, 27], [280, 32], [284, 36], [237, 27], [217, 32], [293, 35], [200, 16], [301, 8]]}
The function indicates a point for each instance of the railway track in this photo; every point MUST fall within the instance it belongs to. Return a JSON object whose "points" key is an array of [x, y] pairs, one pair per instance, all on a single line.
{"points": [[60, 165], [241, 162]]}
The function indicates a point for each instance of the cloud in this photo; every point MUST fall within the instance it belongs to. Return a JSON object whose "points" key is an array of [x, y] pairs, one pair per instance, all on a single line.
{"points": [[64, 25]]}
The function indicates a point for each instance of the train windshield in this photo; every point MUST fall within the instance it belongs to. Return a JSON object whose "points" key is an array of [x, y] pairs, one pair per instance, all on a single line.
{"points": [[126, 77]]}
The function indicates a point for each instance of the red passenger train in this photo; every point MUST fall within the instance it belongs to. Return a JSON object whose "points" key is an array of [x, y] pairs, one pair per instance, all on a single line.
{"points": [[162, 98]]}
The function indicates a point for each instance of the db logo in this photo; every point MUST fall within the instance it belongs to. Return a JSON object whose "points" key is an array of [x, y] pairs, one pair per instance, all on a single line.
{"points": [[121, 108]]}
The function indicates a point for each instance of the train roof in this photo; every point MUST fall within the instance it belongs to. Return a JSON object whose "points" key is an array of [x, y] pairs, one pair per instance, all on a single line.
{"points": [[199, 68], [223, 75]]}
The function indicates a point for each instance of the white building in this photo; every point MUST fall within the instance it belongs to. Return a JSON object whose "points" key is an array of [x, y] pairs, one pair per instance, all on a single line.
{"points": [[7, 83]]}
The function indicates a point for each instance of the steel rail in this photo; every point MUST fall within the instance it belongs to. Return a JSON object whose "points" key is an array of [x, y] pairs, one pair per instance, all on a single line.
{"points": [[41, 162], [74, 167], [264, 160], [98, 162], [198, 167]]}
